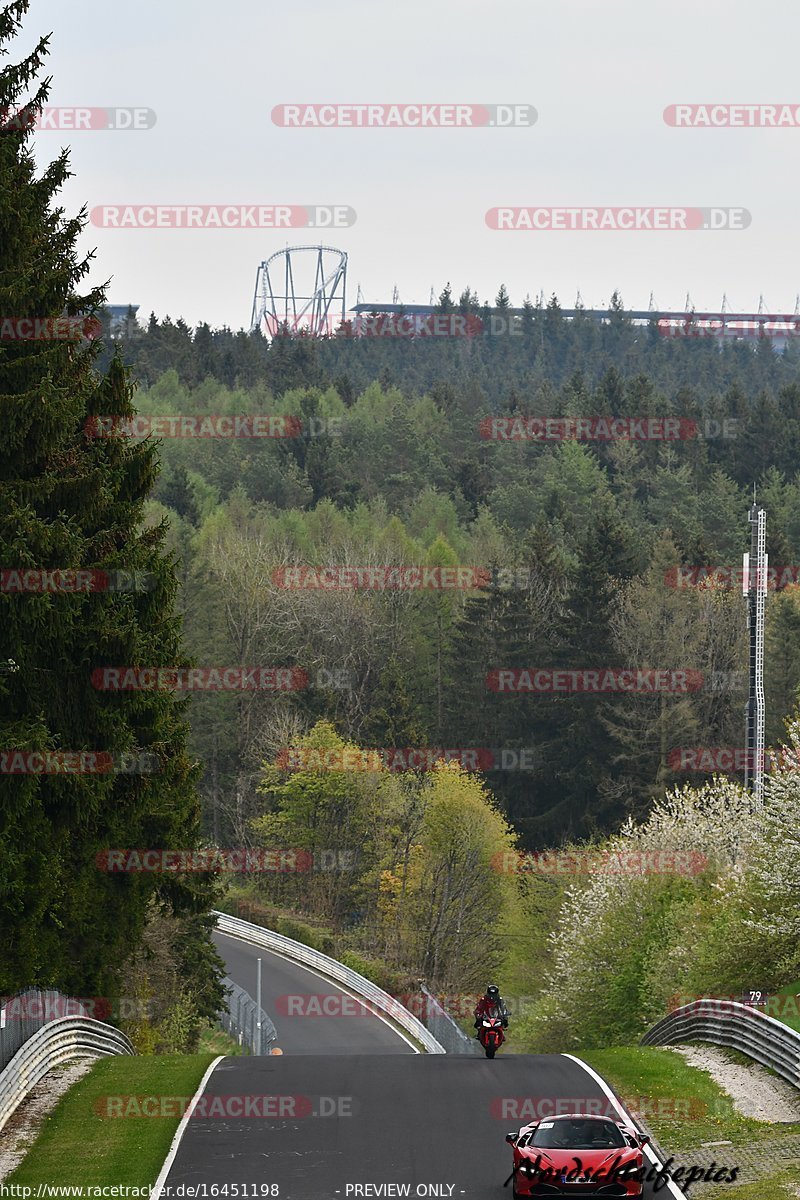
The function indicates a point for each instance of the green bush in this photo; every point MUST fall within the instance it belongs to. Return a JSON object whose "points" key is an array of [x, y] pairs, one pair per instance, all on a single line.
{"points": [[376, 971], [245, 905], [309, 935], [242, 904]]}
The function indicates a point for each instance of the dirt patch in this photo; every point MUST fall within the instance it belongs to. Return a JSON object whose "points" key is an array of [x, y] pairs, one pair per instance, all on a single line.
{"points": [[754, 1092], [22, 1129]]}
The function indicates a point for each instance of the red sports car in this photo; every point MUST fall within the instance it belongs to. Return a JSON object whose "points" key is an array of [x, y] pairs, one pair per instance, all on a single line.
{"points": [[577, 1155]]}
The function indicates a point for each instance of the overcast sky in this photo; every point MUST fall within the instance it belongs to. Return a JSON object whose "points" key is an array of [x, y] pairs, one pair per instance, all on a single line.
{"points": [[598, 75]]}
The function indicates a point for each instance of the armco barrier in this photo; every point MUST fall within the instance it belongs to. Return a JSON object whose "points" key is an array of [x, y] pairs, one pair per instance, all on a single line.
{"points": [[240, 1019], [445, 1029], [22, 1014], [57, 1042], [727, 1023], [256, 935]]}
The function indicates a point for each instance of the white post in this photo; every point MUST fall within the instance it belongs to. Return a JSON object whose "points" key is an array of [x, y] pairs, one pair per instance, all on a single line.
{"points": [[258, 1004]]}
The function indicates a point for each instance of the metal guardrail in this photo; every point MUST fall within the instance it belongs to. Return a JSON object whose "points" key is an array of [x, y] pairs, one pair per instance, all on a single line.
{"points": [[29, 1010], [381, 1001], [739, 1026], [241, 1020], [446, 1031], [57, 1042]]}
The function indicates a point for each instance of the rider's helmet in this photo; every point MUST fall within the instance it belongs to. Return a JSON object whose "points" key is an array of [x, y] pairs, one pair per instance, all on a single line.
{"points": [[493, 993]]}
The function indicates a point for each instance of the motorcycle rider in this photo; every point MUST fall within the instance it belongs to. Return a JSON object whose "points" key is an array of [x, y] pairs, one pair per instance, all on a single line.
{"points": [[491, 1004]]}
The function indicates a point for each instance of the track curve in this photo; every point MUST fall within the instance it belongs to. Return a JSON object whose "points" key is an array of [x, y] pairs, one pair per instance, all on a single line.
{"points": [[280, 978]]}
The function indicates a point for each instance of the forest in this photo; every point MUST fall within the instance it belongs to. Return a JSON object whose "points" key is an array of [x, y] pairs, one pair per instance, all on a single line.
{"points": [[601, 552], [566, 555]]}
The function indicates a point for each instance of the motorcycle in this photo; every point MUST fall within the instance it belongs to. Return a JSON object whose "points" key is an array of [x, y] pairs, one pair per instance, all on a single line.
{"points": [[491, 1035]]}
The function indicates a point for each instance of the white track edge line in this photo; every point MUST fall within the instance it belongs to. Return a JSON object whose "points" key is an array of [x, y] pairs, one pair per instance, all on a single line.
{"points": [[158, 1186], [648, 1150], [354, 995]]}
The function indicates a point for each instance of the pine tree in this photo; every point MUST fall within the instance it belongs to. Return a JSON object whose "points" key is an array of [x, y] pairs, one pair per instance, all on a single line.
{"points": [[782, 669], [509, 625], [73, 501], [394, 719], [445, 301], [583, 632], [528, 323], [501, 300]]}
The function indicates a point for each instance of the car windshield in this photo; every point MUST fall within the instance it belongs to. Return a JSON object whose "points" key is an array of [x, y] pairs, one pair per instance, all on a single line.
{"points": [[577, 1135]]}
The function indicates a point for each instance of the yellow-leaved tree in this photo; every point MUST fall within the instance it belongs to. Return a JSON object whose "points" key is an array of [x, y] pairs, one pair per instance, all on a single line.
{"points": [[462, 902]]}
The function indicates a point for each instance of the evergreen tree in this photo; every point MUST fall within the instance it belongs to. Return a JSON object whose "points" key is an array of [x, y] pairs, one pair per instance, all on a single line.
{"points": [[73, 501], [528, 323], [445, 301], [583, 767], [782, 662], [502, 301], [394, 720]]}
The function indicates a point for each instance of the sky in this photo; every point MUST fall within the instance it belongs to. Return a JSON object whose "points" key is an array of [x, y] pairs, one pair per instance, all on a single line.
{"points": [[599, 77]]}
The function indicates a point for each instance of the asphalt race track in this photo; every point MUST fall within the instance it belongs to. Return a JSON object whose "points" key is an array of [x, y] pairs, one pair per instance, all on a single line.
{"points": [[366, 1034], [416, 1120], [349, 1104]]}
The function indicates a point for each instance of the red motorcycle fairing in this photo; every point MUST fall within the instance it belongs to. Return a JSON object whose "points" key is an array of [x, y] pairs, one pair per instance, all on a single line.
{"points": [[491, 1035]]}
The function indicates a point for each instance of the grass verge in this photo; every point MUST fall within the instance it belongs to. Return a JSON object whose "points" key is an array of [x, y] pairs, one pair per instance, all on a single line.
{"points": [[785, 1006], [216, 1041], [79, 1146], [682, 1106], [685, 1107]]}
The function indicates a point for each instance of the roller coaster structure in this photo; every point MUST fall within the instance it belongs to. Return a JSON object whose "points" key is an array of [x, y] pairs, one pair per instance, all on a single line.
{"points": [[299, 289]]}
